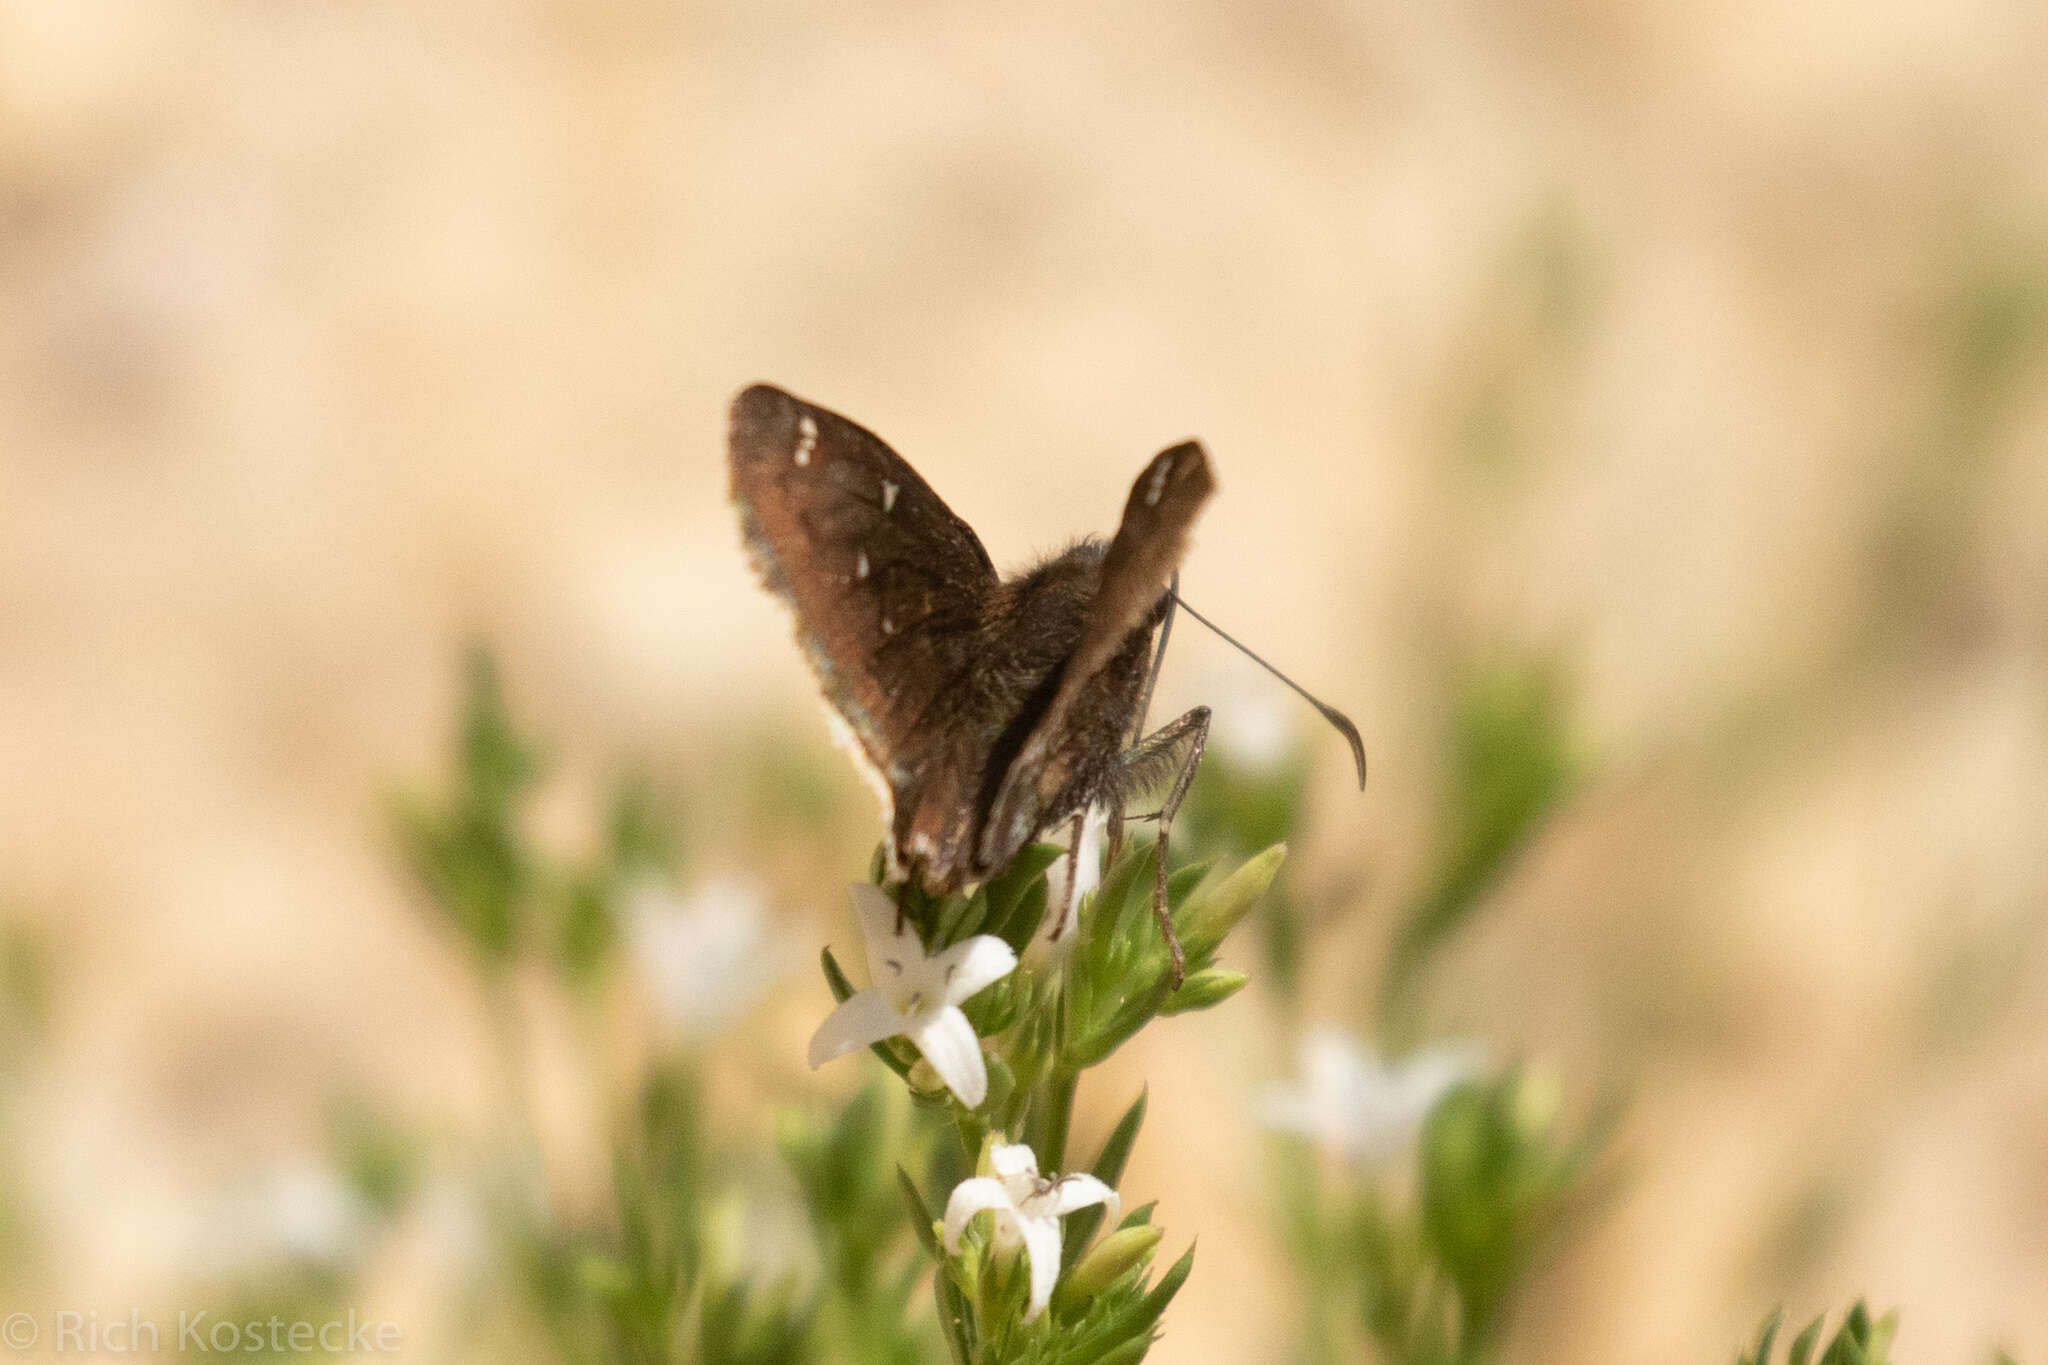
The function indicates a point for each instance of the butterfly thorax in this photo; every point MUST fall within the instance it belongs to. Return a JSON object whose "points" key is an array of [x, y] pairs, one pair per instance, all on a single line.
{"points": [[1030, 625]]}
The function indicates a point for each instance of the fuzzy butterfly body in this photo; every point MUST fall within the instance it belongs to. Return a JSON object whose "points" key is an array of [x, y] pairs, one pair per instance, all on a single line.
{"points": [[987, 709]]}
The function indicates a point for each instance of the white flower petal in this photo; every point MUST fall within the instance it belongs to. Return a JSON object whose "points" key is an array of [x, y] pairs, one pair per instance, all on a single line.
{"points": [[1428, 1074], [1078, 1191], [1335, 1070], [970, 1197], [1042, 1245], [1055, 937], [862, 1018], [893, 946], [1253, 727], [1368, 1108], [968, 967], [1009, 1160], [947, 1041], [706, 956]]}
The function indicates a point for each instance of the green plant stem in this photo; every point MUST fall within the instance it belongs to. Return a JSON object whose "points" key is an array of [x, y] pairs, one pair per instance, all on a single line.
{"points": [[1058, 1097], [973, 1133], [515, 1094]]}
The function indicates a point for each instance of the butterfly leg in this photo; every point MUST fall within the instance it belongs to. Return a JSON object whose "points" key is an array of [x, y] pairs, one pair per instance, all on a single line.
{"points": [[1066, 905], [1176, 746], [1114, 831]]}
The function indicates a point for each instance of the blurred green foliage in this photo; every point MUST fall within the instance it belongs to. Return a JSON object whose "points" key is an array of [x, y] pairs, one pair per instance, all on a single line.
{"points": [[1424, 1257], [1420, 1262], [1235, 809], [469, 847], [1510, 764], [381, 1159], [649, 1282], [1498, 1179], [1858, 1341]]}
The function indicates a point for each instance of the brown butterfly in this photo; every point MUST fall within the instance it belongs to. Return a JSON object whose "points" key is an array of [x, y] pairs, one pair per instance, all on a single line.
{"points": [[986, 710]]}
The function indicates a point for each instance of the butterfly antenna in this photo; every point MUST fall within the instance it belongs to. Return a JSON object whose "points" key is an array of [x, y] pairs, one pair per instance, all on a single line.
{"points": [[1331, 714], [1158, 656]]}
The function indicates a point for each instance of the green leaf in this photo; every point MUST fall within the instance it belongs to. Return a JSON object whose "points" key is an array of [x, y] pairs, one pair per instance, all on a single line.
{"points": [[1109, 1169], [1017, 895], [1760, 1354], [956, 1321], [1802, 1345], [1127, 1353], [1205, 989], [1161, 1294], [920, 1215], [835, 979]]}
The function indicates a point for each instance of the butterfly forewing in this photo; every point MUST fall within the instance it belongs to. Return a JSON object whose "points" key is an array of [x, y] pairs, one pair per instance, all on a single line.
{"points": [[886, 584]]}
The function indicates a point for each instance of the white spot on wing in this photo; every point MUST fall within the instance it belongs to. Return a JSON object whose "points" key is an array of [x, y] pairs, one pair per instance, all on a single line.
{"points": [[860, 565], [888, 626], [806, 439], [1157, 486], [889, 491]]}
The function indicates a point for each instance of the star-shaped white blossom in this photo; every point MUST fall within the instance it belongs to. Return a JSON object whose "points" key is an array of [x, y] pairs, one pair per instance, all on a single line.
{"points": [[1027, 1208], [1362, 1105], [916, 995]]}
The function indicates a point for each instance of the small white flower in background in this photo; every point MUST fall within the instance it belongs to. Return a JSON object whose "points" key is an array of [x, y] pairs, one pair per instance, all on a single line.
{"points": [[1027, 1208], [705, 955], [1252, 724], [296, 1210], [916, 995], [1055, 936], [1364, 1106]]}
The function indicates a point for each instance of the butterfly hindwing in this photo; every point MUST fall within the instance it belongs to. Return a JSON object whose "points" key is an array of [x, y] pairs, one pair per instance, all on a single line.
{"points": [[886, 584]]}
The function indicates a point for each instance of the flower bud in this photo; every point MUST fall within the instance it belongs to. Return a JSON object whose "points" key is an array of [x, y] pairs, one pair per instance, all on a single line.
{"points": [[1218, 910], [1106, 1261], [925, 1079], [1210, 986]]}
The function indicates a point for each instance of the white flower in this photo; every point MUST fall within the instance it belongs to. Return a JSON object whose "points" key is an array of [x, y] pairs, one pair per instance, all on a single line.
{"points": [[1251, 721], [916, 995], [296, 1209], [1056, 934], [1366, 1107], [1027, 1208], [704, 956]]}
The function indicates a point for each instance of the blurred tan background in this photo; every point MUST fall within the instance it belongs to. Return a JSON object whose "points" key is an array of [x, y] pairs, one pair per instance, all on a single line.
{"points": [[1701, 345]]}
